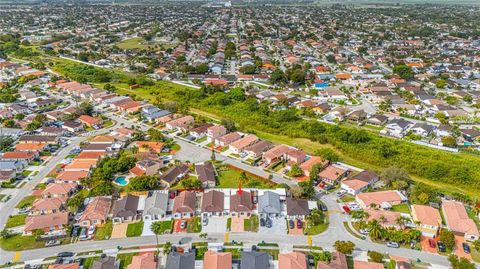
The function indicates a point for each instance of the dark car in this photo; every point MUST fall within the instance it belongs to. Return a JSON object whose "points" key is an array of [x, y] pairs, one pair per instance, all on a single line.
{"points": [[262, 222], [441, 246], [466, 247], [311, 260], [299, 224], [75, 231], [323, 207], [268, 223], [291, 224], [65, 254]]}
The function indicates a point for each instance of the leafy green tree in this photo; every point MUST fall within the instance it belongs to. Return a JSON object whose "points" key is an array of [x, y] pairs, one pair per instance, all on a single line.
{"points": [[375, 229], [143, 183], [403, 71], [327, 154], [345, 247], [448, 238], [440, 83], [85, 108], [308, 190], [316, 169], [295, 171], [449, 141], [460, 263], [375, 256], [191, 183]]}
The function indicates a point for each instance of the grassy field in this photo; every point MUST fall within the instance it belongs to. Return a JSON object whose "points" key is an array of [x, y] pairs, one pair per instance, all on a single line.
{"points": [[15, 220], [103, 233], [139, 43], [19, 242], [402, 208], [229, 178], [27, 201], [135, 229]]}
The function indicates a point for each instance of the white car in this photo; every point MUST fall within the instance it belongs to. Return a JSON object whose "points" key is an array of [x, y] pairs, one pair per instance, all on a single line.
{"points": [[91, 230]]}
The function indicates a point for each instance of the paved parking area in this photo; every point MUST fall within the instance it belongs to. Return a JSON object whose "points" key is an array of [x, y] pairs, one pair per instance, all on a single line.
{"points": [[237, 225], [215, 224], [119, 230], [279, 226], [459, 240], [295, 229], [426, 246]]}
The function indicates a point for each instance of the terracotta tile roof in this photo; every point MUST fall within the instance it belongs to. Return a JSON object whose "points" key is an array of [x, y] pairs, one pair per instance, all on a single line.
{"points": [[89, 120], [426, 215], [185, 202], [59, 188], [389, 217], [213, 201], [308, 164], [339, 261], [457, 219], [143, 261], [332, 172], [64, 266], [97, 209], [48, 204], [292, 260], [90, 155], [46, 221], [30, 146], [355, 184], [18, 155], [102, 139], [241, 202], [244, 142], [71, 175], [151, 145], [367, 265], [83, 164], [137, 171], [380, 197], [217, 260]]}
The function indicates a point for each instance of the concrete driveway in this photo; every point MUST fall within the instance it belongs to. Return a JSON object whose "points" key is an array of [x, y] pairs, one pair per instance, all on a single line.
{"points": [[119, 230], [237, 225], [279, 226], [215, 224]]}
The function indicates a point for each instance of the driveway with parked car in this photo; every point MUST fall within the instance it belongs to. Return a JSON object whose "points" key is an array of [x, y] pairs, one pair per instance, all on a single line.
{"points": [[215, 224], [278, 226]]}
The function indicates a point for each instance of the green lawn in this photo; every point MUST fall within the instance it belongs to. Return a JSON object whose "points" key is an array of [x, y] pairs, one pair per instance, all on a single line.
{"points": [[19, 243], [135, 229], [402, 208], [229, 224], [103, 233], [315, 229], [235, 252], [140, 43], [251, 224], [15, 220], [26, 173], [125, 259], [167, 226], [203, 139], [27, 201], [194, 225], [228, 177]]}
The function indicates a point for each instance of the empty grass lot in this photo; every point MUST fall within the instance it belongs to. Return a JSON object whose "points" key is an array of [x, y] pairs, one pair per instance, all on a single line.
{"points": [[228, 177], [15, 220], [135, 229], [18, 243]]}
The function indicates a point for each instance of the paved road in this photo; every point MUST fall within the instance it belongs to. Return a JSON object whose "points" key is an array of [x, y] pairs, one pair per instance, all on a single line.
{"points": [[336, 230]]}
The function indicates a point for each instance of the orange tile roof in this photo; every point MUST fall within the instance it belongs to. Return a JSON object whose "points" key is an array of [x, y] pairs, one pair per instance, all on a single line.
{"points": [[343, 76], [102, 139], [30, 146], [90, 155], [426, 215], [137, 171], [457, 218], [332, 172], [83, 164], [152, 145], [18, 155], [89, 120], [367, 265], [59, 188], [64, 266], [292, 260], [217, 260], [46, 221], [143, 261], [71, 175]]}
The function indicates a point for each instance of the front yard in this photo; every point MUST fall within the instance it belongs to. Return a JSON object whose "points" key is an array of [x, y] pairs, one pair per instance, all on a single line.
{"points": [[18, 243], [194, 225], [27, 201], [251, 224], [103, 233], [15, 220], [165, 226], [135, 229], [402, 208]]}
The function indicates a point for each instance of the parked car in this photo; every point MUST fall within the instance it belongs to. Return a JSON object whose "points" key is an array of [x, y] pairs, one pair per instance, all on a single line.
{"points": [[262, 222], [323, 207], [392, 244], [466, 247], [364, 231], [268, 223], [205, 221], [23, 210], [432, 243], [84, 234], [346, 209], [52, 243], [311, 261], [91, 230], [441, 246], [65, 254], [299, 224], [291, 224], [183, 224]]}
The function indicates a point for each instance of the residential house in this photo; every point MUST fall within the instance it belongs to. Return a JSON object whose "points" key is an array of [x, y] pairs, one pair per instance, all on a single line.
{"points": [[71, 176], [156, 205], [182, 122], [377, 120], [47, 206], [215, 132], [152, 113], [174, 174], [143, 261], [338, 261], [206, 174], [422, 129], [269, 204], [292, 260], [367, 265], [286, 153], [227, 139], [59, 190], [176, 260], [257, 149], [458, 221], [397, 127], [72, 126], [149, 146], [382, 199], [56, 222], [428, 219], [126, 209], [105, 262], [313, 160], [357, 116], [239, 145], [185, 205], [360, 182], [213, 203], [90, 121], [297, 208], [96, 212], [12, 165], [200, 131], [241, 203], [26, 156], [386, 218], [255, 260], [146, 168], [332, 174], [217, 260], [74, 265]]}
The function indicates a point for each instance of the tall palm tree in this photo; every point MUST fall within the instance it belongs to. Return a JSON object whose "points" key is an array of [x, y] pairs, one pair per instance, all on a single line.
{"points": [[167, 248], [375, 229], [157, 229]]}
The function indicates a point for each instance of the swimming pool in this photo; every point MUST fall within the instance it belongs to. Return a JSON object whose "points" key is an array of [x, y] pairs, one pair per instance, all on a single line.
{"points": [[121, 180]]}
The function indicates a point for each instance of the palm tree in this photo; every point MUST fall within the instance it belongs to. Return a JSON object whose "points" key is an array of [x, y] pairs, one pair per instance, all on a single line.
{"points": [[375, 229], [167, 248], [157, 229]]}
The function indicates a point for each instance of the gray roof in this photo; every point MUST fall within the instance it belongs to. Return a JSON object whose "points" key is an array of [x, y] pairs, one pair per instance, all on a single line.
{"points": [[126, 206], [177, 260], [400, 122], [205, 172], [426, 127], [107, 262], [269, 203], [156, 204], [6, 165], [255, 260]]}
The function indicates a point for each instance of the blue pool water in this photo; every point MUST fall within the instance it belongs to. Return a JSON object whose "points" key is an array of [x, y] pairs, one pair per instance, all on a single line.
{"points": [[121, 181]]}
